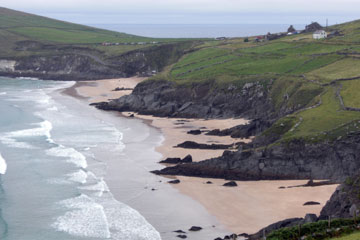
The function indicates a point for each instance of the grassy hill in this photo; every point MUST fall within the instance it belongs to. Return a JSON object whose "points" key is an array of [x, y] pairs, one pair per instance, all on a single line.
{"points": [[315, 75], [52, 49], [18, 28]]}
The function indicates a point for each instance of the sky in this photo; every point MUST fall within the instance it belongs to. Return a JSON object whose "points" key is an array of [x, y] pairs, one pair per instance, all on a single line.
{"points": [[192, 11]]}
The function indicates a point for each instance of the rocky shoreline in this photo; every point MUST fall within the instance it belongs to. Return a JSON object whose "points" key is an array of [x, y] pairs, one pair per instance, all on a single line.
{"points": [[286, 161], [255, 161], [259, 160]]}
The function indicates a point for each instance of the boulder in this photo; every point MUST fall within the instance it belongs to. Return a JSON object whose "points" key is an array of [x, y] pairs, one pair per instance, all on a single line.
{"points": [[230, 184], [309, 218], [177, 181], [194, 132], [195, 145], [311, 203], [171, 160], [187, 159], [182, 236], [195, 228]]}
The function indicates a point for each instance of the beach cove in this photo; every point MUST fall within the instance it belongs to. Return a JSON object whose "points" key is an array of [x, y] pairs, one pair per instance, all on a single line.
{"points": [[246, 208]]}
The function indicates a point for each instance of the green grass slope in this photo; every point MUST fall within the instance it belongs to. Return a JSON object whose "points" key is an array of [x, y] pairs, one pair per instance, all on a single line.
{"points": [[312, 74], [23, 34]]}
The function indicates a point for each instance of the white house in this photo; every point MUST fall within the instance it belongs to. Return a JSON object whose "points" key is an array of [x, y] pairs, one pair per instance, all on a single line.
{"points": [[320, 34]]}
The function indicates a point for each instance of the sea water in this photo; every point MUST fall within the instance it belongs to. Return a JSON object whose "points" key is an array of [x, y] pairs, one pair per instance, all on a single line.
{"points": [[51, 183], [197, 30]]}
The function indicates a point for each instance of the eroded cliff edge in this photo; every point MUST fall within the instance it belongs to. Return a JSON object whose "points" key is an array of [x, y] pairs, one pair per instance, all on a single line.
{"points": [[80, 63]]}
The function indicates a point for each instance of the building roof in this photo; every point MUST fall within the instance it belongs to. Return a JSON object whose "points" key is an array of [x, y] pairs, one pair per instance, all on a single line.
{"points": [[319, 32]]}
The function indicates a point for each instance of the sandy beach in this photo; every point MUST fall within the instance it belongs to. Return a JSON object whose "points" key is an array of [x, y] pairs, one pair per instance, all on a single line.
{"points": [[246, 208]]}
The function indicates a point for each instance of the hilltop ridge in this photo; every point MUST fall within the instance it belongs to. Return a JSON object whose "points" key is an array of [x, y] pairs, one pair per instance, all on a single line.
{"points": [[36, 46]]}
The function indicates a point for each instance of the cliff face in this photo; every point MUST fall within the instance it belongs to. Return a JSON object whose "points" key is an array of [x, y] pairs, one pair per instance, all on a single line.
{"points": [[164, 98], [295, 160], [345, 201], [75, 65]]}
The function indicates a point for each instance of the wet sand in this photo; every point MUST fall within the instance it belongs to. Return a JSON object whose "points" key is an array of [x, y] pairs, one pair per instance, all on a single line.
{"points": [[246, 208]]}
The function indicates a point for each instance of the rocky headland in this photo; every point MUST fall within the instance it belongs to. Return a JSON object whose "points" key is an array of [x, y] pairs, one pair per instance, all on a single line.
{"points": [[82, 63]]}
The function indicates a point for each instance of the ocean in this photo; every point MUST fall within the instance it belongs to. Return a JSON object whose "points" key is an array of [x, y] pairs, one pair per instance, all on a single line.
{"points": [[52, 184], [69, 171], [197, 30]]}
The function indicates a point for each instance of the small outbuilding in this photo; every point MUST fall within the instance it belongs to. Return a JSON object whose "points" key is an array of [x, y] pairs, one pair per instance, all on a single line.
{"points": [[320, 34]]}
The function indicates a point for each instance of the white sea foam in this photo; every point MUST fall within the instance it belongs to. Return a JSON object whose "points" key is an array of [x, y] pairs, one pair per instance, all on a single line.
{"points": [[99, 187], [53, 108], [85, 218], [127, 223], [43, 130], [3, 93], [11, 138], [79, 176], [71, 154], [3, 165], [28, 78]]}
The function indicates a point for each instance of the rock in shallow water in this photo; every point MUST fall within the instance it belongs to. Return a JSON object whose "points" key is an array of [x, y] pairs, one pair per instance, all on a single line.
{"points": [[174, 181], [195, 228]]}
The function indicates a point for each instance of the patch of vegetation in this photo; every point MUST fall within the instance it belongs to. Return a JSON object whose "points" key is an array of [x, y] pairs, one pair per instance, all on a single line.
{"points": [[352, 236], [346, 68], [318, 230], [350, 93], [281, 127], [325, 120]]}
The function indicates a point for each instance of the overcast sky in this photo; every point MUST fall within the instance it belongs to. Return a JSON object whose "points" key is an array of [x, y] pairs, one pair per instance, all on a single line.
{"points": [[192, 11]]}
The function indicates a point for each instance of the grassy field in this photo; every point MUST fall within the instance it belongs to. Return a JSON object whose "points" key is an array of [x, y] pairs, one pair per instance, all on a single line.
{"points": [[296, 66], [353, 236], [350, 93]]}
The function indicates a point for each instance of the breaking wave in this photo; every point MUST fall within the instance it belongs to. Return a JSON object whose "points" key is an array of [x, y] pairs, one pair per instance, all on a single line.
{"points": [[3, 165]]}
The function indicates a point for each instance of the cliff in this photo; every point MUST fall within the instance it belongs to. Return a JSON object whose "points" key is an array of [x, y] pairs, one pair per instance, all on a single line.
{"points": [[90, 65]]}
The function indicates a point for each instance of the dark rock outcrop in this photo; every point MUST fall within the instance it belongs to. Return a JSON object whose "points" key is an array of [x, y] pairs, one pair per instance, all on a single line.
{"points": [[311, 203], [181, 236], [297, 159], [195, 228], [187, 159], [345, 201], [177, 181], [194, 145], [203, 100], [194, 132], [254, 128], [171, 160], [81, 63], [122, 89], [230, 184]]}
